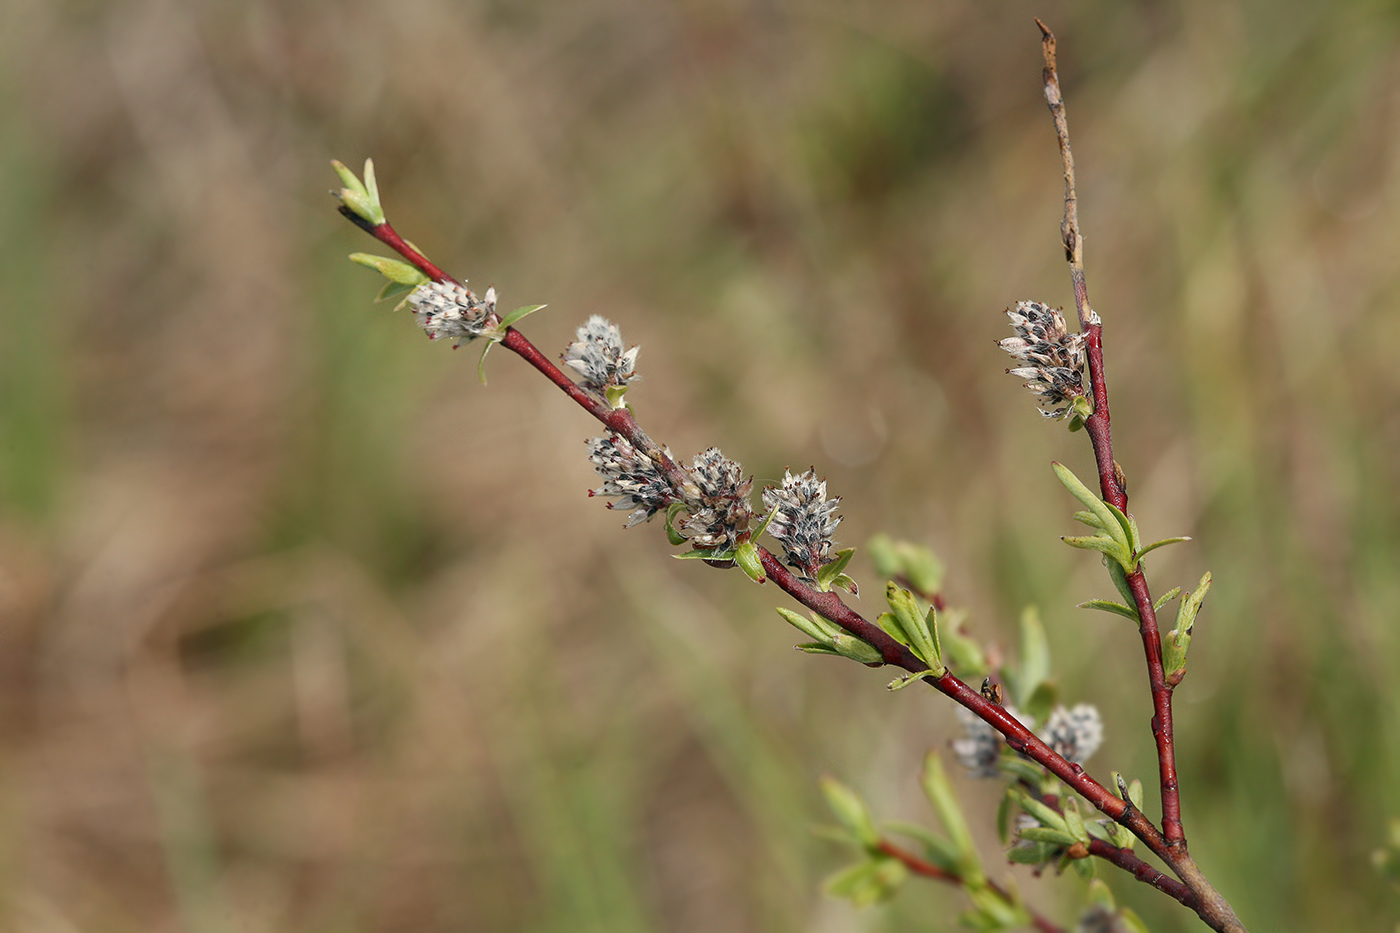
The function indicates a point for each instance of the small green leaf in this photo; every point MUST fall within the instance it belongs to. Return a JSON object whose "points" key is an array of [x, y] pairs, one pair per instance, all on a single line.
{"points": [[1104, 544], [830, 572], [869, 882], [1035, 649], [1178, 640], [706, 554], [481, 363], [1119, 530], [1042, 700], [1108, 605], [843, 582], [920, 629], [904, 680], [1120, 581], [672, 535], [395, 270], [747, 557], [1037, 853], [361, 198], [813, 626], [911, 562], [510, 319], [1070, 807], [993, 912], [1100, 895], [1045, 814], [1163, 543], [962, 653], [1165, 598], [1004, 814], [849, 646], [1056, 837], [939, 792], [1022, 768], [1130, 922], [851, 812]]}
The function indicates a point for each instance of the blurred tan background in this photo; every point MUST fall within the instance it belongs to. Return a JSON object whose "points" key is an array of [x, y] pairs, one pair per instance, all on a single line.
{"points": [[303, 629]]}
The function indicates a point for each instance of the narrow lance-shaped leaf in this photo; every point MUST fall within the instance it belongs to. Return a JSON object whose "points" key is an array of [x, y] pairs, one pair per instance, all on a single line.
{"points": [[939, 791]]}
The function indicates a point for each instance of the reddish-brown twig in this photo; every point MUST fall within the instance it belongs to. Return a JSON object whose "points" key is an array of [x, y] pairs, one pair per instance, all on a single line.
{"points": [[1209, 905], [828, 604], [927, 869]]}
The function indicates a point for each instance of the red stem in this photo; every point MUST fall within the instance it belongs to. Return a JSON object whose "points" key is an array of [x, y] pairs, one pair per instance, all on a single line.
{"points": [[1100, 436], [927, 869], [829, 604]]}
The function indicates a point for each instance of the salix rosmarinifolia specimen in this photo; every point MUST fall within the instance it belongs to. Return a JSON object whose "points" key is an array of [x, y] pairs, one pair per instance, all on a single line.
{"points": [[1027, 737]]}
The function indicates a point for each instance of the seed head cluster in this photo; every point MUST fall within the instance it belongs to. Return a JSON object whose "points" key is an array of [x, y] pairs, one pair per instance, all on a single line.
{"points": [[597, 355], [448, 311], [720, 516], [1055, 356], [803, 522], [1074, 734], [629, 478]]}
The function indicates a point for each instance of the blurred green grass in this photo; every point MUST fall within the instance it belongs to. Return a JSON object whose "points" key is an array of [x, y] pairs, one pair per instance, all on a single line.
{"points": [[306, 630]]}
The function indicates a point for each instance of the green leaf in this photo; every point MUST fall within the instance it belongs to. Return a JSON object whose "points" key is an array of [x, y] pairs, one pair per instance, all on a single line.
{"points": [[481, 363], [1023, 679], [1156, 544], [907, 561], [1042, 700], [1023, 769], [920, 629], [1119, 532], [830, 572], [395, 270], [1045, 814], [1179, 638], [361, 198], [813, 626], [746, 556], [962, 653], [672, 535], [510, 319], [844, 582], [1035, 649], [869, 882], [1037, 853], [1120, 581], [1055, 837], [904, 680], [1108, 605], [1008, 803], [939, 792], [1070, 808], [1165, 598], [849, 646], [1131, 922], [851, 812], [992, 911], [1103, 543], [1100, 895]]}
